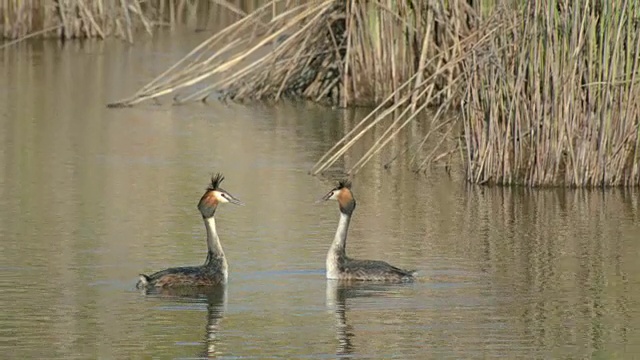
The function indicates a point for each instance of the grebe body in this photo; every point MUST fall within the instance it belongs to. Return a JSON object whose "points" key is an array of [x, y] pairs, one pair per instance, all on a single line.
{"points": [[338, 265], [215, 270]]}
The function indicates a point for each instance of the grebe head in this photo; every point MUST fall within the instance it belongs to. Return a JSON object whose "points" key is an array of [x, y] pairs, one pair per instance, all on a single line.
{"points": [[342, 193], [215, 195]]}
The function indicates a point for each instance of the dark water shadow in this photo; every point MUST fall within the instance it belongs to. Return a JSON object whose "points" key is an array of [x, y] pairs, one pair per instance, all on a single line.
{"points": [[337, 294], [216, 300]]}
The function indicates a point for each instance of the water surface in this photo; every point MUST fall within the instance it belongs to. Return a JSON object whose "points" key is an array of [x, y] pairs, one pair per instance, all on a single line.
{"points": [[90, 197]]}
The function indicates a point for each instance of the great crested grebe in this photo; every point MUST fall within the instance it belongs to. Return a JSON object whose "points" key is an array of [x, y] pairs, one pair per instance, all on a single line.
{"points": [[214, 270], [341, 267]]}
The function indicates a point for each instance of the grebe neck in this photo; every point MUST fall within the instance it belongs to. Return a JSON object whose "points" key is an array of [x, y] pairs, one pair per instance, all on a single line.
{"points": [[336, 255], [340, 240], [215, 252]]}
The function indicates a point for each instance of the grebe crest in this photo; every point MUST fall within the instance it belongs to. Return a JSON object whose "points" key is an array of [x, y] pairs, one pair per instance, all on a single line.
{"points": [[215, 269], [339, 265]]}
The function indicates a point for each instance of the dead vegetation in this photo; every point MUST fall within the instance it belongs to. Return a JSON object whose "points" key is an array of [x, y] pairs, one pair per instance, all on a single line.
{"points": [[342, 53], [544, 91], [552, 98], [67, 19], [75, 19]]}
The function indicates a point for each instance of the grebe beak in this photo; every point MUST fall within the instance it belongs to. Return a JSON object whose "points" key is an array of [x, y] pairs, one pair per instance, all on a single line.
{"points": [[325, 197], [234, 200]]}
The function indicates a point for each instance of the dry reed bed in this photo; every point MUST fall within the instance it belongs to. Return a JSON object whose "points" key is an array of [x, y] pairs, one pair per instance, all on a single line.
{"points": [[552, 99], [72, 19], [20, 19], [67, 19], [401, 55], [325, 52], [546, 89]]}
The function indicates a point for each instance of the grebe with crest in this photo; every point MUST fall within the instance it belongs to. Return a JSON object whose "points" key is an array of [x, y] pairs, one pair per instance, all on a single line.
{"points": [[215, 269], [339, 265]]}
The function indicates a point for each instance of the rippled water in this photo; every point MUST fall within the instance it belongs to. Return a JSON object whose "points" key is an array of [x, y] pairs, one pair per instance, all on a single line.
{"points": [[90, 197]]}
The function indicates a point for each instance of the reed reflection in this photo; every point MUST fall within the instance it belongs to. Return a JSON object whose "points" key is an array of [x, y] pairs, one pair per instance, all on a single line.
{"points": [[216, 299], [563, 257]]}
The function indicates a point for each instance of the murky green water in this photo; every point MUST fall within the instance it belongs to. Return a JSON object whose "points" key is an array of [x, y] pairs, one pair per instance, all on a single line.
{"points": [[90, 197]]}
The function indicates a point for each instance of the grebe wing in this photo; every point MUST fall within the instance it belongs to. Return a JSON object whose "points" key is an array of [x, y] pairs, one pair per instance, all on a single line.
{"points": [[375, 266], [180, 276]]}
